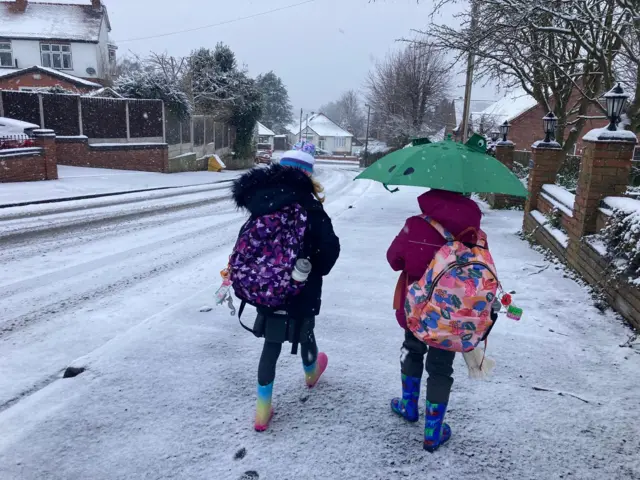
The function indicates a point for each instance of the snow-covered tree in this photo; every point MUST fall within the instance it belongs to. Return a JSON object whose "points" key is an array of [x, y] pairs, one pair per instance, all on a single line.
{"points": [[563, 53], [219, 88], [154, 85], [277, 109], [347, 111], [405, 89]]}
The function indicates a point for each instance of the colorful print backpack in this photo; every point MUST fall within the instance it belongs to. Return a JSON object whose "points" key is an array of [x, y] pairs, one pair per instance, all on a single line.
{"points": [[450, 306], [264, 257]]}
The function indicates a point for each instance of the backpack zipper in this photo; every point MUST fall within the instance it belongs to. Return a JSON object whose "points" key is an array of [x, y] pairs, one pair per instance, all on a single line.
{"points": [[461, 265]]}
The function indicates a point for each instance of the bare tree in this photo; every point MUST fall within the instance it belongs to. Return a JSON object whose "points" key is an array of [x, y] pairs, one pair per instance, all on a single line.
{"points": [[563, 53], [405, 89], [172, 68], [347, 112]]}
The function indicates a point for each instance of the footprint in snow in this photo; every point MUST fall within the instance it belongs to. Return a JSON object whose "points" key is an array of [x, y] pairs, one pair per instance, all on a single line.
{"points": [[250, 475]]}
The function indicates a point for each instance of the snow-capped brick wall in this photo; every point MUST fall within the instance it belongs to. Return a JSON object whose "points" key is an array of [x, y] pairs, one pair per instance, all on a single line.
{"points": [[546, 162], [604, 172], [505, 155], [145, 157], [22, 165]]}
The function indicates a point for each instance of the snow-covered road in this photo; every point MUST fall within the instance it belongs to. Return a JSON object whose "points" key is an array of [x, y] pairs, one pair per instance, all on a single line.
{"points": [[169, 391]]}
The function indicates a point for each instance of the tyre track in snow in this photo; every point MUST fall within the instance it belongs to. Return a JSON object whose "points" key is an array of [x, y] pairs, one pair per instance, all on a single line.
{"points": [[78, 285]]}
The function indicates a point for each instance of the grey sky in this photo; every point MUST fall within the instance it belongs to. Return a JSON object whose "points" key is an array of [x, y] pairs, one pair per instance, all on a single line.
{"points": [[319, 49]]}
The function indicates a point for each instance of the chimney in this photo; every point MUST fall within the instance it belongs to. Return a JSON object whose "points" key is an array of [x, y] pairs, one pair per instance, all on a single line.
{"points": [[20, 5], [97, 4]]}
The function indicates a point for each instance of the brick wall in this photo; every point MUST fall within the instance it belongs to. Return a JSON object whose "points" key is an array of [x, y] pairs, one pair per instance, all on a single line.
{"points": [[22, 165], [143, 157], [39, 80], [595, 270]]}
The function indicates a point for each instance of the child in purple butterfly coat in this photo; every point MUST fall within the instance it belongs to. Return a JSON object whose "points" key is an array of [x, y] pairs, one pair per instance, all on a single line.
{"points": [[262, 191]]}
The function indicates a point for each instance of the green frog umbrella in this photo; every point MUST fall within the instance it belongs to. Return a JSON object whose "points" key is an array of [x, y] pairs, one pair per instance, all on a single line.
{"points": [[446, 165]]}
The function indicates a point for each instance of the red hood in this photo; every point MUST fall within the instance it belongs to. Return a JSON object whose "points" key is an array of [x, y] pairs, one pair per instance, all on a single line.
{"points": [[453, 211]]}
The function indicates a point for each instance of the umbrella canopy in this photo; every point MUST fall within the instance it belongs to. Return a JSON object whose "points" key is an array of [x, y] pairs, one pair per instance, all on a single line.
{"points": [[446, 165]]}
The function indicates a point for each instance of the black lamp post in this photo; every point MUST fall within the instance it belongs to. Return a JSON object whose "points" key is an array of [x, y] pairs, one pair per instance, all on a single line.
{"points": [[495, 134], [504, 130], [549, 122], [616, 100]]}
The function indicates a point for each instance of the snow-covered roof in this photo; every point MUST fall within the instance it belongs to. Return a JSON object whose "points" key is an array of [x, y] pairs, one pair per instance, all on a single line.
{"points": [[264, 131], [508, 108], [323, 126], [13, 72], [51, 21], [106, 92]]}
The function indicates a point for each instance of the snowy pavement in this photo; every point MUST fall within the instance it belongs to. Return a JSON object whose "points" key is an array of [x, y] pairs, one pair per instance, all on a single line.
{"points": [[169, 391], [81, 181]]}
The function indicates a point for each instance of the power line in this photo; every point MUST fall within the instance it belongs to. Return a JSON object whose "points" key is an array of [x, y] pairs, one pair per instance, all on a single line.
{"points": [[226, 22]]}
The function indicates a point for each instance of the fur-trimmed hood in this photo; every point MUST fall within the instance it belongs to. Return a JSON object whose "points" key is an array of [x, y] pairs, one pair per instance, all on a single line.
{"points": [[265, 190]]}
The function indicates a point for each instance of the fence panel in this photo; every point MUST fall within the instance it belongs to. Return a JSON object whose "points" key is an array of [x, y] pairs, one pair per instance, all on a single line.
{"points": [[198, 131], [61, 114], [145, 118], [186, 130], [21, 106], [173, 129], [219, 134], [104, 117]]}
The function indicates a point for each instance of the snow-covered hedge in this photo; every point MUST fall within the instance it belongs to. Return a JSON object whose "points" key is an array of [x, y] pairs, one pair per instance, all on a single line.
{"points": [[621, 236]]}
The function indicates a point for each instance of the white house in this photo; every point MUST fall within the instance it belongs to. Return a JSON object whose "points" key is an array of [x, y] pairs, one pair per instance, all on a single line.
{"points": [[324, 133], [71, 38], [266, 136]]}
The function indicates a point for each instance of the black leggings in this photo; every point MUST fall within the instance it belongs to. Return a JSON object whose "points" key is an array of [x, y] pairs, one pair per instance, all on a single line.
{"points": [[271, 352], [439, 367]]}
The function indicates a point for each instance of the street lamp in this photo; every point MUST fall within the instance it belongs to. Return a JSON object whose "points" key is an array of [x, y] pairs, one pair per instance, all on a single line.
{"points": [[495, 134], [549, 123], [366, 140], [616, 100], [504, 130]]}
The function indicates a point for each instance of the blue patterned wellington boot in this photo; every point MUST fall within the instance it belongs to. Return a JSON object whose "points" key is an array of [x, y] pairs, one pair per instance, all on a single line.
{"points": [[436, 432], [407, 406]]}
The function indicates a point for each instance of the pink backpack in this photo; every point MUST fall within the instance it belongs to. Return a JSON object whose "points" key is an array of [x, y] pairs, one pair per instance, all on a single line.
{"points": [[450, 306]]}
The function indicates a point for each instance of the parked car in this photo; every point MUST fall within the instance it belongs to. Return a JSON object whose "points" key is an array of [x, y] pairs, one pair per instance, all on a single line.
{"points": [[264, 156], [16, 133]]}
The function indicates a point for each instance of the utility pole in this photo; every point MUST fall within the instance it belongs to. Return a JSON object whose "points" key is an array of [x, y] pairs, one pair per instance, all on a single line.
{"points": [[470, 67], [366, 140], [300, 134]]}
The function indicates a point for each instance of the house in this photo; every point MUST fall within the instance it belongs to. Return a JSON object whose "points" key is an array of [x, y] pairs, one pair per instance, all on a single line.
{"points": [[72, 39], [34, 78], [525, 115], [266, 136], [324, 133]]}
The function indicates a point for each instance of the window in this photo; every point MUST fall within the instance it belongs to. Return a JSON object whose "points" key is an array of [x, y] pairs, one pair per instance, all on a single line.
{"points": [[6, 55], [55, 55], [340, 142], [112, 61], [322, 142]]}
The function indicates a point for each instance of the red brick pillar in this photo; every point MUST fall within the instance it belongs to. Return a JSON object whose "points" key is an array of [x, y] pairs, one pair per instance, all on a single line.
{"points": [[546, 158], [46, 139], [604, 171], [504, 154]]}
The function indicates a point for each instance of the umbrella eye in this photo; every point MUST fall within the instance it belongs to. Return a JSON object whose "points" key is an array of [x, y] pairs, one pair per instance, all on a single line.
{"points": [[409, 171], [392, 168], [481, 143]]}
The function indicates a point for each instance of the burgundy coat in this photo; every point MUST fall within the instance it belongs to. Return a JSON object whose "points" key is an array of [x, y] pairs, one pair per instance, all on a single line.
{"points": [[417, 243]]}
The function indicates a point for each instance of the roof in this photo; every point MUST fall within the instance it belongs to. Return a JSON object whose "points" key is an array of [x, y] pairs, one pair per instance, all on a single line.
{"points": [[264, 131], [508, 108], [106, 92], [52, 21], [323, 126], [12, 72]]}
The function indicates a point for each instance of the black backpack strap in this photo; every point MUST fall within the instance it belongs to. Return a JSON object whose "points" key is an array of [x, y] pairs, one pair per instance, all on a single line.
{"points": [[240, 310]]}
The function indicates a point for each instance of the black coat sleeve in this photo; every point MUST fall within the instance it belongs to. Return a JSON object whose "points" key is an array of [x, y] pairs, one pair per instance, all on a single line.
{"points": [[324, 245]]}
